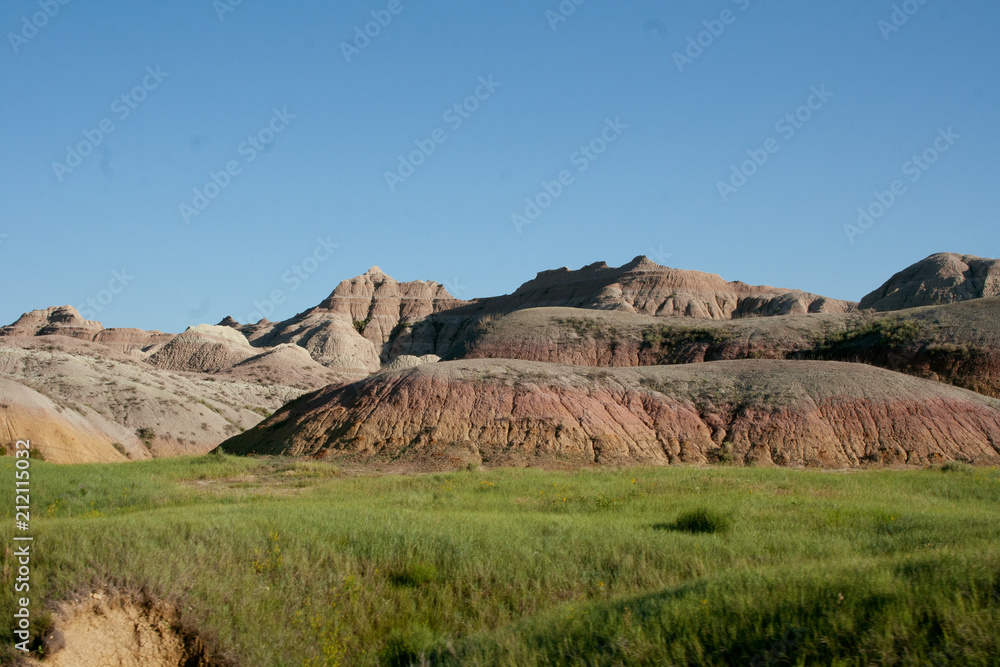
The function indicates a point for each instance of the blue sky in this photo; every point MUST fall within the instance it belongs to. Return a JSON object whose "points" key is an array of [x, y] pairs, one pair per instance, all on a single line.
{"points": [[619, 101]]}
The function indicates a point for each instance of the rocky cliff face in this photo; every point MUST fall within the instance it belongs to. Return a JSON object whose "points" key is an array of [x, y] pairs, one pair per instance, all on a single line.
{"points": [[941, 278], [522, 413], [351, 329], [640, 287], [379, 304]]}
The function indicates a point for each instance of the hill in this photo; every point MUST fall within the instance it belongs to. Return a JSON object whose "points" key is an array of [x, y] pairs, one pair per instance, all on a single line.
{"points": [[503, 412]]}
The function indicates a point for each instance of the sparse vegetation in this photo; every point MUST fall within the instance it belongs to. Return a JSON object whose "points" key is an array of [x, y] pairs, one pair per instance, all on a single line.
{"points": [[259, 409], [880, 334], [147, 435], [700, 520], [359, 325], [667, 338], [278, 561]]}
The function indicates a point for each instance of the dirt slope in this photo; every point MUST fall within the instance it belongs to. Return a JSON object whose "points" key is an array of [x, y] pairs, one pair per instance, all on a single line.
{"points": [[501, 412], [178, 413], [124, 631], [60, 435]]}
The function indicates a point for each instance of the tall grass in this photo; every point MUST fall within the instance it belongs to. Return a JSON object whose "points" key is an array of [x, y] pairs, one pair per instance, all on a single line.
{"points": [[279, 562]]}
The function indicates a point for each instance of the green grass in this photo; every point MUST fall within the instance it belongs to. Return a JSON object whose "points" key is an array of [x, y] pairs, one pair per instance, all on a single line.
{"points": [[278, 562], [701, 520]]}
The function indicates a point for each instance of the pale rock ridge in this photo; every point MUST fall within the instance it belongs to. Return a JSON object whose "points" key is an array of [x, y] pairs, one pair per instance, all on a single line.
{"points": [[67, 321], [286, 364], [643, 286], [64, 320], [410, 361], [204, 348], [329, 338], [179, 413], [941, 278]]}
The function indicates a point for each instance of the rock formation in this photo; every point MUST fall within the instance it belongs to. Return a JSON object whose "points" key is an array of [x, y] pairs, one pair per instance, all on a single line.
{"points": [[941, 278], [379, 304], [501, 412], [329, 338], [67, 321], [110, 397], [643, 286], [956, 343], [350, 330], [62, 320], [203, 349], [54, 433], [185, 393]]}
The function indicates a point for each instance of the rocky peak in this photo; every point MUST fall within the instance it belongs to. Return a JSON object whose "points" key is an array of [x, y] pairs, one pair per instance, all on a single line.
{"points": [[944, 277], [64, 320], [644, 286], [378, 304]]}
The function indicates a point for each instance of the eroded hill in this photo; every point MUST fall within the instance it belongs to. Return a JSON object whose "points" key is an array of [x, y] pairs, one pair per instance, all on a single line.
{"points": [[503, 412]]}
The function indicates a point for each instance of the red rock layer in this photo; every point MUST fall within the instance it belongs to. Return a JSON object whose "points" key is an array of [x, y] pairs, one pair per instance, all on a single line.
{"points": [[521, 413]]}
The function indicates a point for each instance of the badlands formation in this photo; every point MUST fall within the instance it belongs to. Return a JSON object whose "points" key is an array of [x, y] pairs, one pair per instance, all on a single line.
{"points": [[505, 412], [941, 278], [594, 366]]}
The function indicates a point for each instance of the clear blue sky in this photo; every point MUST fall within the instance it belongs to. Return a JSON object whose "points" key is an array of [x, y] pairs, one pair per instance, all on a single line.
{"points": [[654, 190]]}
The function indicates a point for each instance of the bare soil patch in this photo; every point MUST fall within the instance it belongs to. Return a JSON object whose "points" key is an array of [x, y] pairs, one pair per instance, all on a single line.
{"points": [[121, 630]]}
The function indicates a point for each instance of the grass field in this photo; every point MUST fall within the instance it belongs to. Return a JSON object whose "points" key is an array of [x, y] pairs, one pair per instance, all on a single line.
{"points": [[277, 562]]}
